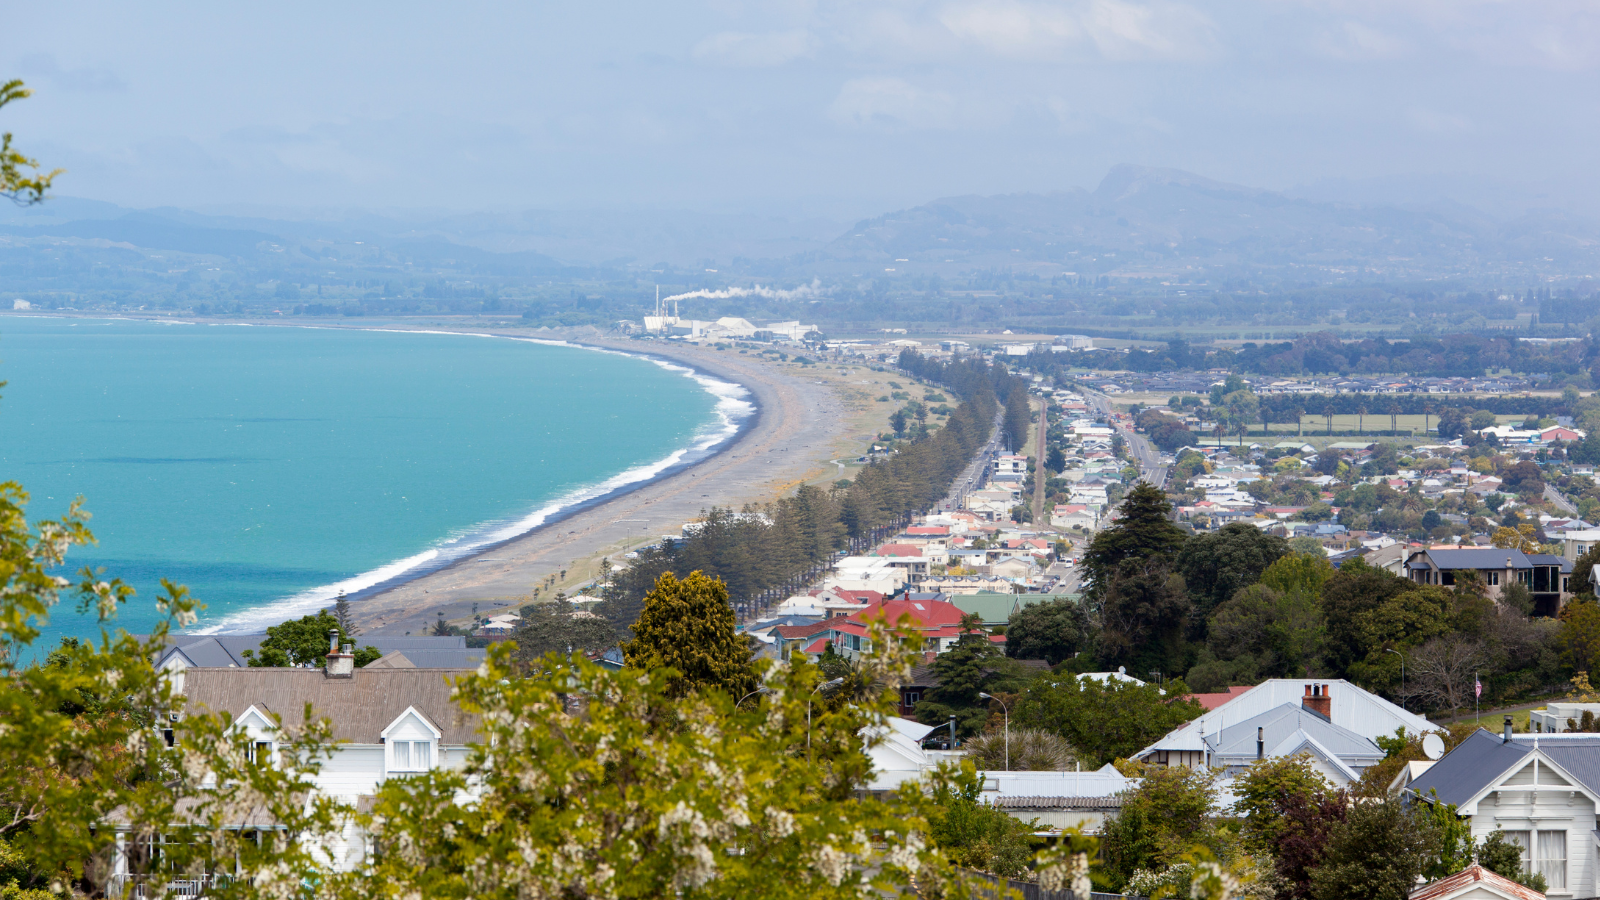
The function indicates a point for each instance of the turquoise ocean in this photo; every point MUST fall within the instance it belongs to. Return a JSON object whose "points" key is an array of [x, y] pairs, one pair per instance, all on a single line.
{"points": [[268, 468]]}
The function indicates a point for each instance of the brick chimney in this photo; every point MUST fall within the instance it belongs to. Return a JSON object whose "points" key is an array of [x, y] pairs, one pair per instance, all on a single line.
{"points": [[341, 661], [1316, 700]]}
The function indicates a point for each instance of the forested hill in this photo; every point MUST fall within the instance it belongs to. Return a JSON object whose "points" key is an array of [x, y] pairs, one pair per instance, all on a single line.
{"points": [[1144, 221]]}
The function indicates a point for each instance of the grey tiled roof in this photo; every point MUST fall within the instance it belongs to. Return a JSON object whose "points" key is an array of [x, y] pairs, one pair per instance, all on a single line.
{"points": [[360, 707], [1481, 558]]}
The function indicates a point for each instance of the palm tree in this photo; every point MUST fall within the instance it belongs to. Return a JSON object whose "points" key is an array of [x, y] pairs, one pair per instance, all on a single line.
{"points": [[1394, 416], [1327, 413], [1361, 419], [1299, 420], [1427, 409]]}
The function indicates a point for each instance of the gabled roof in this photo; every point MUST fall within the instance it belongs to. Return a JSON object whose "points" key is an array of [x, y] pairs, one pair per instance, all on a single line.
{"points": [[923, 613], [360, 707], [1473, 881], [1470, 767], [1352, 708], [1286, 730]]}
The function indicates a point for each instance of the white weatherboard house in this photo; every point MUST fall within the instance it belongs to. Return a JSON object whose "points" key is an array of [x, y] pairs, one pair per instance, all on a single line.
{"points": [[1336, 723], [390, 722], [1542, 790]]}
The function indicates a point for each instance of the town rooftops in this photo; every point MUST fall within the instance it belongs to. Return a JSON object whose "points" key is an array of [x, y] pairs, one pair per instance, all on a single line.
{"points": [[1288, 730]]}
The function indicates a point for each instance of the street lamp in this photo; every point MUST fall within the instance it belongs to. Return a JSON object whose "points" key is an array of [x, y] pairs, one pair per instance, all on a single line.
{"points": [[826, 684], [760, 690], [1008, 724], [1402, 674]]}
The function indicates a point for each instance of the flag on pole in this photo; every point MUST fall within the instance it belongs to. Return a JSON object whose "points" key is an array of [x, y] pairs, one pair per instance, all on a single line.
{"points": [[1477, 689]]}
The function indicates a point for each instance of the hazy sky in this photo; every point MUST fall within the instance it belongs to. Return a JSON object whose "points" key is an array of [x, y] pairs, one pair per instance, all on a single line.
{"points": [[837, 108]]}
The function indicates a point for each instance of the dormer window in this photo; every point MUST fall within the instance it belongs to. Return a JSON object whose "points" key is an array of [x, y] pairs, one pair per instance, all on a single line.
{"points": [[411, 743], [411, 756]]}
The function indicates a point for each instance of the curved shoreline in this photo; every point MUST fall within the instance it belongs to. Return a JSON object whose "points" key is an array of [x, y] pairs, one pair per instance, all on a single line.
{"points": [[765, 459], [796, 428], [745, 426]]}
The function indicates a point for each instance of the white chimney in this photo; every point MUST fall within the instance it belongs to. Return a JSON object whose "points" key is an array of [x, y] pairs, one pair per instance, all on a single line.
{"points": [[341, 661]]}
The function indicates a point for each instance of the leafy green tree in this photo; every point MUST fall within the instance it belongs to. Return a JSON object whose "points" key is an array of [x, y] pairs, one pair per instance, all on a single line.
{"points": [[1144, 533], [1215, 566], [1579, 637], [1018, 419], [301, 642], [978, 835], [1280, 633], [1354, 590], [1051, 631], [20, 180], [1500, 855], [555, 628], [1055, 460], [688, 626], [1306, 572], [1377, 852], [1143, 613], [1265, 792], [972, 666], [1402, 622], [347, 619], [1160, 822], [1104, 721]]}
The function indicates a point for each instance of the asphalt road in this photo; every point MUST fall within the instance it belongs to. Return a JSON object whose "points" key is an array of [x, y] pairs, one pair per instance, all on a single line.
{"points": [[1145, 453], [1561, 503]]}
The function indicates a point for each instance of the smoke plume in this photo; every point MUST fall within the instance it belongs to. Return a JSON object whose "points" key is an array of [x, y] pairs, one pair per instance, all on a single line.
{"points": [[803, 292]]}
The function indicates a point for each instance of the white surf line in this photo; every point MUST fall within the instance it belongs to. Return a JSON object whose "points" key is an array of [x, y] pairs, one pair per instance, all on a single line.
{"points": [[731, 408]]}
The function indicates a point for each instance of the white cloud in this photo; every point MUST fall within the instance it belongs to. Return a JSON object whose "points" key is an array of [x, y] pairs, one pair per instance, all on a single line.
{"points": [[1015, 29], [1151, 31], [1359, 41], [732, 48], [893, 102]]}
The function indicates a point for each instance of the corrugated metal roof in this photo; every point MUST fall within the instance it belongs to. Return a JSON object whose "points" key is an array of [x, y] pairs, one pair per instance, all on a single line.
{"points": [[1238, 740], [1352, 708], [222, 650], [1470, 878], [1058, 802], [1578, 754], [1470, 767], [360, 707], [466, 658]]}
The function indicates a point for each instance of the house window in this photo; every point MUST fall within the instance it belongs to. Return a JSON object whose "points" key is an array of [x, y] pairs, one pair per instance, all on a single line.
{"points": [[1550, 858], [1447, 577], [910, 698], [1492, 578], [261, 752], [412, 756]]}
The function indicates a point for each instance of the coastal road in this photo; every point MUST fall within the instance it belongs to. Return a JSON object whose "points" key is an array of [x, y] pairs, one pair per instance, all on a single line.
{"points": [[973, 477]]}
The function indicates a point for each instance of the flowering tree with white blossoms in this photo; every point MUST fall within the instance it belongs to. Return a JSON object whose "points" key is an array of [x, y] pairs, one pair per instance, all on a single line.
{"points": [[593, 783]]}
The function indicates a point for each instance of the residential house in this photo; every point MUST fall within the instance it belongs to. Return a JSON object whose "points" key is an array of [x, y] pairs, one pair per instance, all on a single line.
{"points": [[1542, 790], [1074, 515], [1057, 801], [1341, 703], [389, 722], [1544, 576], [995, 608]]}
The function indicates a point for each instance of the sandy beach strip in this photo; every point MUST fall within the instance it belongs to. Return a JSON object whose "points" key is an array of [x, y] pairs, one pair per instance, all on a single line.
{"points": [[803, 422]]}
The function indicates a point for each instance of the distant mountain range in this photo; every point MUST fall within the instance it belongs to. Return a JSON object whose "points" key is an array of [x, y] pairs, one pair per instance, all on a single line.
{"points": [[1177, 225], [1139, 222]]}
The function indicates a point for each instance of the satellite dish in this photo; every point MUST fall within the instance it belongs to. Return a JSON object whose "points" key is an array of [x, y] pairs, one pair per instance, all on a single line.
{"points": [[1432, 745]]}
